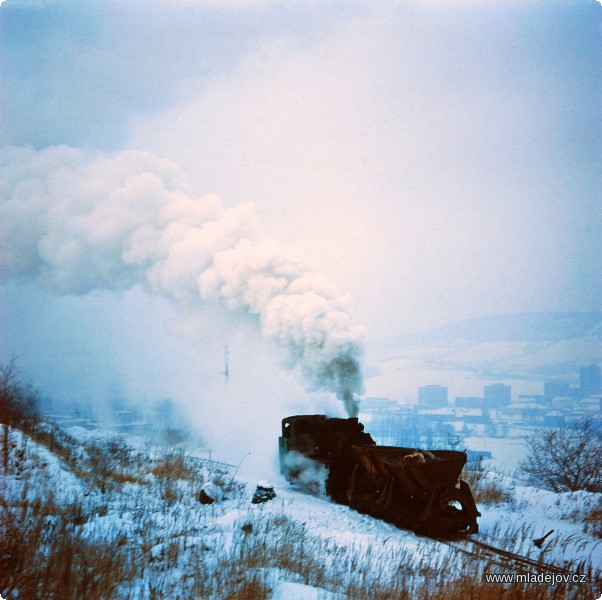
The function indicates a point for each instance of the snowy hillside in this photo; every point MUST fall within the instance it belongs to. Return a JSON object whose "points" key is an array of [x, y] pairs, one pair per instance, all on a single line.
{"points": [[96, 517], [529, 327], [542, 344]]}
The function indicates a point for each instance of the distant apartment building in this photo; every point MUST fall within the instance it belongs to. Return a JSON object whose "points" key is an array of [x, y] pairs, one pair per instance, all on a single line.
{"points": [[470, 402], [556, 388], [432, 396], [497, 395], [590, 380]]}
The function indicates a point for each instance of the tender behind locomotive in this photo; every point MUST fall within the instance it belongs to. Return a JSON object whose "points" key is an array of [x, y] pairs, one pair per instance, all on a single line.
{"points": [[415, 489]]}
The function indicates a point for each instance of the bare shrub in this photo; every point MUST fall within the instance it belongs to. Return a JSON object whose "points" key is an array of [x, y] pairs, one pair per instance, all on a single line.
{"points": [[566, 460], [172, 466], [110, 462], [18, 404], [593, 521]]}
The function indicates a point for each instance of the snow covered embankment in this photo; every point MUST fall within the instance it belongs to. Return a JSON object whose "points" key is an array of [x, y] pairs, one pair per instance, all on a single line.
{"points": [[100, 519]]}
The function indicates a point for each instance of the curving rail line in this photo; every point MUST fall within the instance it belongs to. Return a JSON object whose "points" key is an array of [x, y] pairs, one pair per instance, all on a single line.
{"points": [[518, 563]]}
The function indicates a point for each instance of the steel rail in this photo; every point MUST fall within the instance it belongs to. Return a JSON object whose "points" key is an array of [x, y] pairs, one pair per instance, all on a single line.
{"points": [[487, 552]]}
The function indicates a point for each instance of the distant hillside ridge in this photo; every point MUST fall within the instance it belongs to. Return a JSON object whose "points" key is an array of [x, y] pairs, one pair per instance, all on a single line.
{"points": [[526, 327]]}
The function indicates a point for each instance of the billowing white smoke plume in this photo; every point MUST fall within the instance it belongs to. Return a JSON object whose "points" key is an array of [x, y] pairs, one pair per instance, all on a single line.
{"points": [[76, 223]]}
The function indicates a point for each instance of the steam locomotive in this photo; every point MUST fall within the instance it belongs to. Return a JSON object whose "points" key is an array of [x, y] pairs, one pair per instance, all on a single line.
{"points": [[415, 489]]}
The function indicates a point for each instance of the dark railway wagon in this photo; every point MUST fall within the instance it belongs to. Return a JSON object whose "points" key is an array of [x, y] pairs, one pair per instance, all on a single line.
{"points": [[415, 489]]}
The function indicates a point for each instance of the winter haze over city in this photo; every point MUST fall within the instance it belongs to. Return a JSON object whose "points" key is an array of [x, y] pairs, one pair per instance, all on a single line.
{"points": [[218, 215]]}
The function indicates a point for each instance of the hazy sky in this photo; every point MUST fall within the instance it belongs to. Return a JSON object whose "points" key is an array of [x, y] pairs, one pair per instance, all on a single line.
{"points": [[436, 160]]}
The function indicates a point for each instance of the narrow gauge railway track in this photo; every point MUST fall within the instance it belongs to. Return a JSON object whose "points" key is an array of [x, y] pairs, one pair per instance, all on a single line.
{"points": [[198, 460], [503, 558], [524, 561]]}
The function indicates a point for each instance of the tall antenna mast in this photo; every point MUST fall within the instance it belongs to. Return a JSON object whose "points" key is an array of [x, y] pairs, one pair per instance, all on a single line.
{"points": [[226, 371]]}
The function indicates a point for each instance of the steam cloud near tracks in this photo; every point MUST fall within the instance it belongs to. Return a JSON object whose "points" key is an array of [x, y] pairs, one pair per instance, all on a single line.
{"points": [[76, 223]]}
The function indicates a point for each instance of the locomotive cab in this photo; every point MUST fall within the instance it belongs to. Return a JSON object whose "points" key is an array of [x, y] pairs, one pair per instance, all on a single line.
{"points": [[326, 441]]}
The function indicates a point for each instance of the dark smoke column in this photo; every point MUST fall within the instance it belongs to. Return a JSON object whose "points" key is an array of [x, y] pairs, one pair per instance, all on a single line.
{"points": [[345, 374]]}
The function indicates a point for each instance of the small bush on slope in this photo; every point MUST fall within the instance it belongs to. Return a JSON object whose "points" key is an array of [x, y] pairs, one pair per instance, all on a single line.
{"points": [[566, 459]]}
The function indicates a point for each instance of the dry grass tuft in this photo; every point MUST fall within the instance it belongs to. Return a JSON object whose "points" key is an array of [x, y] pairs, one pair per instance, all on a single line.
{"points": [[592, 521], [486, 487], [173, 466]]}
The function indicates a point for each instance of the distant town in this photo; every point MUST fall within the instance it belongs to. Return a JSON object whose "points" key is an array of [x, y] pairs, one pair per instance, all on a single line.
{"points": [[435, 421]]}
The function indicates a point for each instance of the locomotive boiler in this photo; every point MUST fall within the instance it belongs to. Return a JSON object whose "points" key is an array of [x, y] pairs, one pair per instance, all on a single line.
{"points": [[420, 490]]}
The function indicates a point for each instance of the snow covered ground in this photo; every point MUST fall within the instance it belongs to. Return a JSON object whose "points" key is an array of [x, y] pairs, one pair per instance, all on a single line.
{"points": [[295, 546], [506, 453]]}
